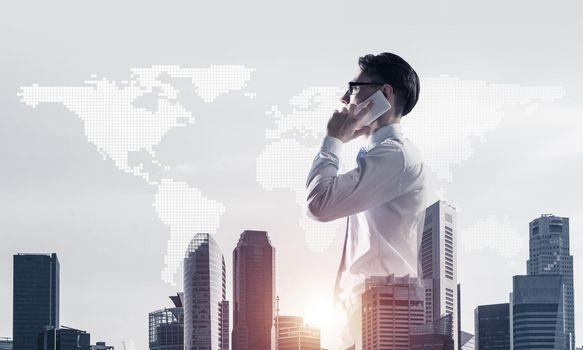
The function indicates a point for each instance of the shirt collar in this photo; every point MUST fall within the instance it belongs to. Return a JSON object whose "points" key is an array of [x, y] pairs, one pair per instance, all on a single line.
{"points": [[383, 133]]}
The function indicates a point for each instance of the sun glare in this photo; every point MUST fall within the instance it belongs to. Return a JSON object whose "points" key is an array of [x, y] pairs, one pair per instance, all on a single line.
{"points": [[321, 313]]}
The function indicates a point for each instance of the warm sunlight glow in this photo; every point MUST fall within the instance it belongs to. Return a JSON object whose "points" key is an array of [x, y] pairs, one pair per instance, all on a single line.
{"points": [[322, 314]]}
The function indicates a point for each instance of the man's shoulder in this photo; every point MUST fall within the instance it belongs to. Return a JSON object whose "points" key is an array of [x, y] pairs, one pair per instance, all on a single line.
{"points": [[388, 146], [406, 147]]}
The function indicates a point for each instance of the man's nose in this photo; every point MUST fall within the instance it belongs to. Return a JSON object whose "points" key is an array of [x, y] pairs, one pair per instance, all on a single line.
{"points": [[346, 98]]}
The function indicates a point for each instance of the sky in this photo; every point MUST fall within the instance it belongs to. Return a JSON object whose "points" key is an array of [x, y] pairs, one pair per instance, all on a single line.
{"points": [[251, 87]]}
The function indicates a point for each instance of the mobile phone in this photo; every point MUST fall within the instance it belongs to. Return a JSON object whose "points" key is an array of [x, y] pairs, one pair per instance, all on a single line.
{"points": [[380, 106]]}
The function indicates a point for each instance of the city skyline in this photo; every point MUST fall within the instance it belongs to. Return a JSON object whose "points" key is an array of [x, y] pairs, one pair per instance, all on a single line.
{"points": [[540, 311], [439, 214], [498, 122], [548, 233]]}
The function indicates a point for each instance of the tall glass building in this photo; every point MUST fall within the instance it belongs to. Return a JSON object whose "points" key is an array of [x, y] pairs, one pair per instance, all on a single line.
{"points": [[206, 312], [536, 313], [492, 326], [167, 327], [35, 298], [548, 255], [253, 292]]}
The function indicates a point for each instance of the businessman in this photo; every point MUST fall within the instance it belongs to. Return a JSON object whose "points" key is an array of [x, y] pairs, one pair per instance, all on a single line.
{"points": [[384, 197]]}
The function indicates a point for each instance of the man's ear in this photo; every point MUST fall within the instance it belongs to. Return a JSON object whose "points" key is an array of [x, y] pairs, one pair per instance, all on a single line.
{"points": [[387, 90]]}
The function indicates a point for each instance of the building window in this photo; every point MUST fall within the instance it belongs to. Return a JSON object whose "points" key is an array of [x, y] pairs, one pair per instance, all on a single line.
{"points": [[555, 228]]}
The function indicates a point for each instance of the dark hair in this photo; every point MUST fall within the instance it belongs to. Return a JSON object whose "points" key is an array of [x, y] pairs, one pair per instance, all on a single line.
{"points": [[393, 70]]}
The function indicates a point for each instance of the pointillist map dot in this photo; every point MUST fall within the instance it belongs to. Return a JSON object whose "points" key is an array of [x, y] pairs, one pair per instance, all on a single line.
{"points": [[118, 128]]}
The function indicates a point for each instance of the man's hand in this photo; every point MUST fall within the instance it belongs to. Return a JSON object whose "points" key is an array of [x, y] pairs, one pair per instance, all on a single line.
{"points": [[345, 124]]}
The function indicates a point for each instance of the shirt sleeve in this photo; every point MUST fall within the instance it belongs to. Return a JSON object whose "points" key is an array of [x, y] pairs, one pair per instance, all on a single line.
{"points": [[376, 180]]}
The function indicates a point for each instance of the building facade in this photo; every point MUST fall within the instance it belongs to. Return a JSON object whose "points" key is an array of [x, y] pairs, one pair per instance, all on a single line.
{"points": [[253, 292], [536, 313], [438, 264], [549, 254], [100, 345], [391, 306], [5, 343], [204, 295], [467, 341], [292, 334], [166, 327], [434, 335], [64, 338], [492, 326], [35, 298]]}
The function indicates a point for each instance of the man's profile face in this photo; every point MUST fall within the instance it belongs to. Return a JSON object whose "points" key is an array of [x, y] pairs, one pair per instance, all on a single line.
{"points": [[361, 92]]}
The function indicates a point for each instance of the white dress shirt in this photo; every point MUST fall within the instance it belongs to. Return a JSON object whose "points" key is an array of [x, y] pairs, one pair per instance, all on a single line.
{"points": [[384, 198]]}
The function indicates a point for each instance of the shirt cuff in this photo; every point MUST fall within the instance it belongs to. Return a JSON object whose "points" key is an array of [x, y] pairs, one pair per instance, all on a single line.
{"points": [[332, 145]]}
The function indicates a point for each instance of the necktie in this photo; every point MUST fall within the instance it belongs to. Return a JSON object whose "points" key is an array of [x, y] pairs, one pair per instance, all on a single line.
{"points": [[361, 154]]}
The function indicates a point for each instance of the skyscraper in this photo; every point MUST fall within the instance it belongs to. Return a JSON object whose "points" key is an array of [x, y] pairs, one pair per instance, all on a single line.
{"points": [[253, 291], [492, 326], [204, 295], [549, 254], [391, 306], [166, 327], [536, 313], [35, 298], [438, 264]]}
